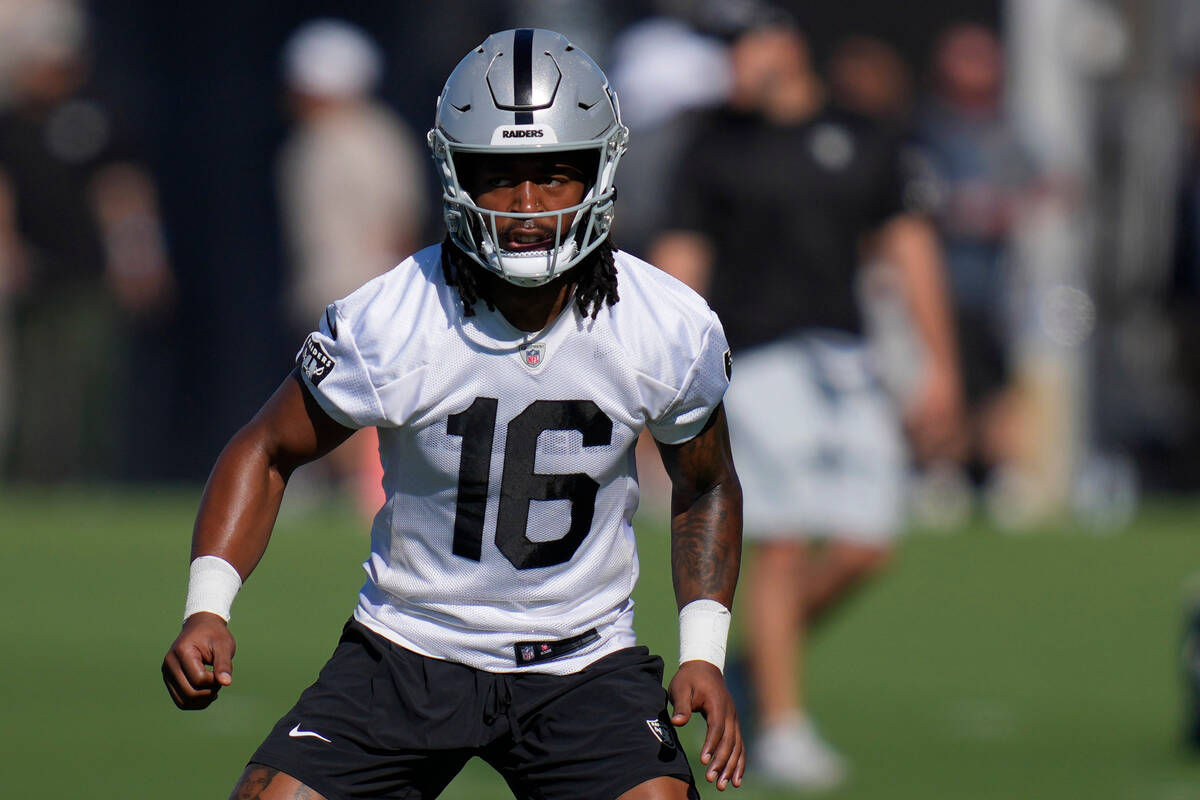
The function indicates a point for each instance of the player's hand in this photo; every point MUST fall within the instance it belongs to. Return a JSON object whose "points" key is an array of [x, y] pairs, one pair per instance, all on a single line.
{"points": [[205, 641], [700, 686]]}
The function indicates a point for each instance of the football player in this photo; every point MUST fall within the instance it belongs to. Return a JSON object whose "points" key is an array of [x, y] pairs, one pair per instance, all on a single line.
{"points": [[509, 371]]}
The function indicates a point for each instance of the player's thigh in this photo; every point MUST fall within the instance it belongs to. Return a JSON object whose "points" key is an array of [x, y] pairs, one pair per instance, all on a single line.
{"points": [[598, 733], [658, 789], [260, 782], [380, 721]]}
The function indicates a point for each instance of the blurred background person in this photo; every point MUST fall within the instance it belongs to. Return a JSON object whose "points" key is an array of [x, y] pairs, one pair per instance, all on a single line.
{"points": [[14, 275], [83, 253], [1183, 294], [666, 73], [975, 176], [868, 76], [353, 195], [776, 197]]}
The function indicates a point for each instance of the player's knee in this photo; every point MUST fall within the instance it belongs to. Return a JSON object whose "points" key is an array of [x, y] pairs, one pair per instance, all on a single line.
{"points": [[663, 788], [781, 556], [862, 561]]}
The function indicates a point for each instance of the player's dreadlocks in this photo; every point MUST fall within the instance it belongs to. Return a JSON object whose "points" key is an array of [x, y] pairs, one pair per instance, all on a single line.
{"points": [[595, 279]]}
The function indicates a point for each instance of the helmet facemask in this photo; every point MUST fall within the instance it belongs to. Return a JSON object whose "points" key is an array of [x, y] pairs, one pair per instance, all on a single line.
{"points": [[475, 229]]}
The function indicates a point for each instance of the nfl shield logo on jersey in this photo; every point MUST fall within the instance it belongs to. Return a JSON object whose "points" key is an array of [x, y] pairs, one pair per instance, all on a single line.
{"points": [[534, 354]]}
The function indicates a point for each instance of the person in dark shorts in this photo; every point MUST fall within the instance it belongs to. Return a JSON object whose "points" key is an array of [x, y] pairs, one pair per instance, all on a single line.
{"points": [[509, 371]]}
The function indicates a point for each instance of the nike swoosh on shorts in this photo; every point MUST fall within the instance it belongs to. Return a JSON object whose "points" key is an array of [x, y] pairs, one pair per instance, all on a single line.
{"points": [[296, 733]]}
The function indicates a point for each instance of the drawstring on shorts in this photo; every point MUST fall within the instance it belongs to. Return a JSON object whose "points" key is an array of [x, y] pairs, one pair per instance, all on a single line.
{"points": [[499, 703]]}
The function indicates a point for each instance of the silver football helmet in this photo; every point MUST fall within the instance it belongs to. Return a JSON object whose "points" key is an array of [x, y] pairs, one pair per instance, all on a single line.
{"points": [[527, 91]]}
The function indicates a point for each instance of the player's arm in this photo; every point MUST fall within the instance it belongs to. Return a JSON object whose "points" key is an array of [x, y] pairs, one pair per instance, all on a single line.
{"points": [[234, 523], [909, 243], [706, 546]]}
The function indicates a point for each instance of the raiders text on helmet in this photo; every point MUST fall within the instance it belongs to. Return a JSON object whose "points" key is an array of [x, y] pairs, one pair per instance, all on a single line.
{"points": [[527, 91]]}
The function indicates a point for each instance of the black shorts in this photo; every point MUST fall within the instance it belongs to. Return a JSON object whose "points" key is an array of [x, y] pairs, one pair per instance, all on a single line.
{"points": [[384, 722]]}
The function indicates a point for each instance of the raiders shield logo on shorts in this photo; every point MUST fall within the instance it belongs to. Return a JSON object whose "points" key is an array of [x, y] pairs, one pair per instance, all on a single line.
{"points": [[661, 732]]}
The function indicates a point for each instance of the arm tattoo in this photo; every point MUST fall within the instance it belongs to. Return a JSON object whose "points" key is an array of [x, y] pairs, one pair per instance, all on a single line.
{"points": [[704, 557], [706, 507]]}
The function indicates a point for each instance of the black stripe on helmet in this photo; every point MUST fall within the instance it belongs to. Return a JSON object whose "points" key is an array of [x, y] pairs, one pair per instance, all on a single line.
{"points": [[523, 74]]}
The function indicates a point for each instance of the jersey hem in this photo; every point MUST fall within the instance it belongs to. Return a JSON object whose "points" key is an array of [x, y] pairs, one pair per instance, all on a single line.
{"points": [[575, 662]]}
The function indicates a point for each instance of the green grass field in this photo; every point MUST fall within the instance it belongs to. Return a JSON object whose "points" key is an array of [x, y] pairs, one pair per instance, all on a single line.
{"points": [[983, 666]]}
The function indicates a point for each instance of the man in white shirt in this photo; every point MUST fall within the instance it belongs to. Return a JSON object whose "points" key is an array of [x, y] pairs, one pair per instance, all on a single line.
{"points": [[509, 371], [352, 198]]}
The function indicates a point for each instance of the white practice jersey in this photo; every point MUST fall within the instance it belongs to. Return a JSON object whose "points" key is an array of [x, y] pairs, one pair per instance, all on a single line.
{"points": [[509, 457]]}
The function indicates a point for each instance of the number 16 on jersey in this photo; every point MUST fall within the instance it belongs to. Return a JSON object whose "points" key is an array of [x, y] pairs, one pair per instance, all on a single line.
{"points": [[519, 484]]}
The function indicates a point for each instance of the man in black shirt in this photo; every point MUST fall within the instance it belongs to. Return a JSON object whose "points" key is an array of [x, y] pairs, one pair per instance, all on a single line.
{"points": [[779, 199]]}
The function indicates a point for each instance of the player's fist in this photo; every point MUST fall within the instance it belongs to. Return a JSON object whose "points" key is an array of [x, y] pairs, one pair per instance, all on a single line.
{"points": [[199, 662]]}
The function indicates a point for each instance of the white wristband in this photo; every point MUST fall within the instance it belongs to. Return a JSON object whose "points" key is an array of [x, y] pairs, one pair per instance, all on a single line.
{"points": [[212, 585], [703, 632]]}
